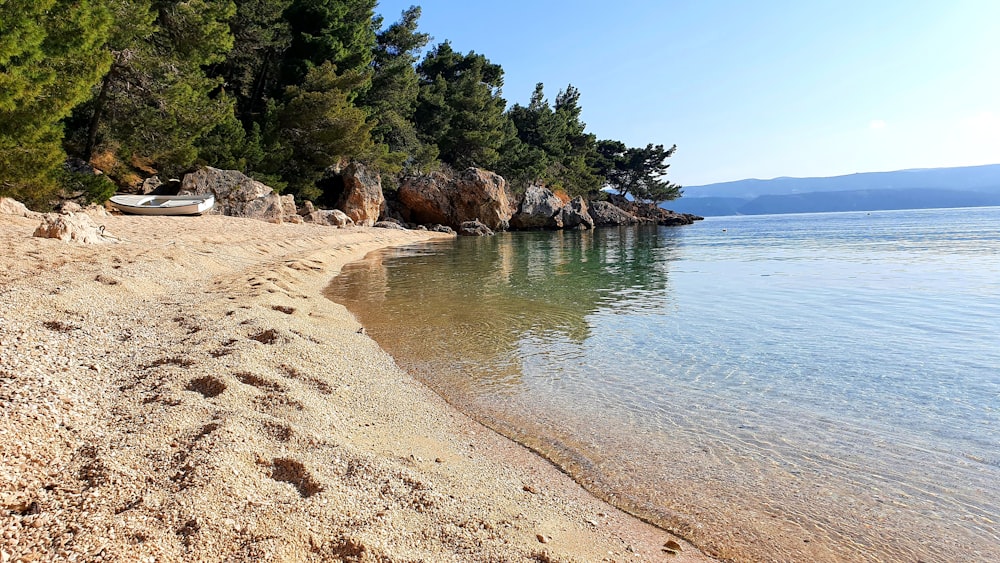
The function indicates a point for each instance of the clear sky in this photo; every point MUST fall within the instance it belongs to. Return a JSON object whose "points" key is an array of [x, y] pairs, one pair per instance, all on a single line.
{"points": [[753, 89]]}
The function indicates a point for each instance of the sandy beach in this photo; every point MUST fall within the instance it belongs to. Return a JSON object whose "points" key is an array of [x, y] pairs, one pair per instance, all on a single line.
{"points": [[188, 394]]}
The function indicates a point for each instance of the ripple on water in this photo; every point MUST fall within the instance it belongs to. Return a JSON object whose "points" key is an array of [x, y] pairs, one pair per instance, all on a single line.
{"points": [[817, 387]]}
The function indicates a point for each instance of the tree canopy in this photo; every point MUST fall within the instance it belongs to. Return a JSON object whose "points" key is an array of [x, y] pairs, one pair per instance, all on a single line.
{"points": [[639, 172], [282, 90]]}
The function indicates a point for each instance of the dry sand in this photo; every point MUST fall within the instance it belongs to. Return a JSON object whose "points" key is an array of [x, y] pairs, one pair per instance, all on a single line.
{"points": [[187, 394]]}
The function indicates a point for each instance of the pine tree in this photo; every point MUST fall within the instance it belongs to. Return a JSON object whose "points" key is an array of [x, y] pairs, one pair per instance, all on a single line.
{"points": [[50, 56], [562, 150], [640, 172], [157, 101], [316, 127], [341, 32], [460, 108], [252, 67], [392, 97]]}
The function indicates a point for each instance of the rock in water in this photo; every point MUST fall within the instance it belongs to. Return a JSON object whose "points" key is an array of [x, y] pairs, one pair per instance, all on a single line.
{"points": [[540, 209], [576, 215], [473, 194], [606, 214], [474, 229]]}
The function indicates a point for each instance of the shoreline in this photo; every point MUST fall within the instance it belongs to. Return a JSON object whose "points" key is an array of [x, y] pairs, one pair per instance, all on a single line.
{"points": [[189, 393]]}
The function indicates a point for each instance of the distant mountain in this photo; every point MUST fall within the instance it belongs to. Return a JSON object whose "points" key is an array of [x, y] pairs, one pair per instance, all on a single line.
{"points": [[969, 186]]}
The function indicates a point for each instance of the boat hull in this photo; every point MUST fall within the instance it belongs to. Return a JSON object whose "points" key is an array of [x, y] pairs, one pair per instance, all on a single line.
{"points": [[163, 204]]}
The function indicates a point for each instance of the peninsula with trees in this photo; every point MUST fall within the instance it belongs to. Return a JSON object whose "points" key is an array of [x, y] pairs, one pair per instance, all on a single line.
{"points": [[99, 96]]}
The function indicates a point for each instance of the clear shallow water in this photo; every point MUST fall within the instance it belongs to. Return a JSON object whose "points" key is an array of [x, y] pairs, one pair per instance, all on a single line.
{"points": [[790, 387]]}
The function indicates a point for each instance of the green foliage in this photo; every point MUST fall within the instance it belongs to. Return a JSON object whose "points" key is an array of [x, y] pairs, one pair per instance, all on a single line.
{"points": [[639, 172], [156, 101], [558, 150], [316, 127], [252, 67], [460, 110], [96, 188], [341, 32], [392, 97], [280, 89], [228, 145], [50, 56]]}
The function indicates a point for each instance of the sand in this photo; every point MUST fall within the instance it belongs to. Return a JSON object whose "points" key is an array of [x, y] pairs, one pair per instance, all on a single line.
{"points": [[188, 394]]}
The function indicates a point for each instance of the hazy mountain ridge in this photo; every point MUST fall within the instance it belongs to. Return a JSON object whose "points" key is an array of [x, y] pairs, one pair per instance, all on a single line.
{"points": [[969, 186]]}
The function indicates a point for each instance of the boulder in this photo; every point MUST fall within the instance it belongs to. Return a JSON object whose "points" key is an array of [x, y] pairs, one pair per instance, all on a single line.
{"points": [[426, 199], [267, 208], [289, 213], [441, 229], [483, 196], [328, 217], [69, 206], [361, 193], [236, 194], [10, 206], [95, 211], [149, 185], [539, 209], [473, 194], [576, 215], [672, 218], [338, 218], [389, 225], [605, 214], [474, 228], [76, 227]]}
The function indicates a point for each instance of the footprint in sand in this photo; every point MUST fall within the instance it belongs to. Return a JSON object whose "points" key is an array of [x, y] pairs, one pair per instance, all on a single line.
{"points": [[259, 382], [278, 431], [293, 472], [316, 383], [208, 386], [269, 336]]}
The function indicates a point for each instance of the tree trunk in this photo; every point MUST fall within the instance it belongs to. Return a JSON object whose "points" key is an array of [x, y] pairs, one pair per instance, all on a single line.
{"points": [[257, 93]]}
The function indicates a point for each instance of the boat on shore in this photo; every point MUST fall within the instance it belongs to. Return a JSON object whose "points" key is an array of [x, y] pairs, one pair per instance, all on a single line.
{"points": [[163, 204]]}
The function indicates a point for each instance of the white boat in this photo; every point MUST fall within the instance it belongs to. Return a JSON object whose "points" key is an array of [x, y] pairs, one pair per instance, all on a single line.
{"points": [[164, 204]]}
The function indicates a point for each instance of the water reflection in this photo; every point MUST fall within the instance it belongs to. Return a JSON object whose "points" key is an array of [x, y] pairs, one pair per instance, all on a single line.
{"points": [[479, 300], [748, 382]]}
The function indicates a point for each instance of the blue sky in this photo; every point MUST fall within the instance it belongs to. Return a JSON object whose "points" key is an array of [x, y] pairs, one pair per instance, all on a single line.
{"points": [[754, 89]]}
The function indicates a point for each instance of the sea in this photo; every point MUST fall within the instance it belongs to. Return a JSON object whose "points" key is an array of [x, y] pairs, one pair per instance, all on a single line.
{"points": [[806, 387]]}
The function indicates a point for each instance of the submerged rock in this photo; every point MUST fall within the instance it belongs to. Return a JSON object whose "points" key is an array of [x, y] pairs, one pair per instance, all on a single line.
{"points": [[441, 229]]}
